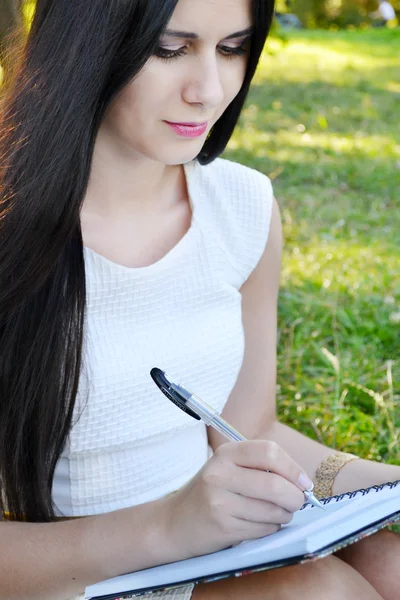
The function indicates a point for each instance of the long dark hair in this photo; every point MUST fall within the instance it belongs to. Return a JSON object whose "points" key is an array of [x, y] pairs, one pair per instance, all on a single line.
{"points": [[78, 56]]}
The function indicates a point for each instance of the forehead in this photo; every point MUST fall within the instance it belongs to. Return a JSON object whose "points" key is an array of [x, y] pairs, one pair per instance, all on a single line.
{"points": [[212, 17]]}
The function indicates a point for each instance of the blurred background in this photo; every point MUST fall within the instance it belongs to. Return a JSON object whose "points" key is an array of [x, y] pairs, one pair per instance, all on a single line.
{"points": [[322, 121], [335, 13]]}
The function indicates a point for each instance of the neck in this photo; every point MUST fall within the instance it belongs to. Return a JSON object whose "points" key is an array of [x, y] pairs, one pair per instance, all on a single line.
{"points": [[125, 184]]}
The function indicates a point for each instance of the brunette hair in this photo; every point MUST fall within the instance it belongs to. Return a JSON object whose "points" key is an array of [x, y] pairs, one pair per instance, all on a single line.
{"points": [[79, 54]]}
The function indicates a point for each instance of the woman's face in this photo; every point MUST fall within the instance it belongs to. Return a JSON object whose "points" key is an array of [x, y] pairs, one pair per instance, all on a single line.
{"points": [[197, 72]]}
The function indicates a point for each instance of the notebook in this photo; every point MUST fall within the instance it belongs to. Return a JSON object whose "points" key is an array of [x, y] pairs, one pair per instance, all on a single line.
{"points": [[312, 533]]}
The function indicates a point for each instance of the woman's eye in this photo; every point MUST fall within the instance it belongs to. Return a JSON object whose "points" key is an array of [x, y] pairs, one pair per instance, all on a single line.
{"points": [[167, 54], [228, 51], [232, 51]]}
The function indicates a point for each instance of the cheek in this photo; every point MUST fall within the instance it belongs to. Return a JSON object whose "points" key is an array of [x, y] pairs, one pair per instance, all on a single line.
{"points": [[153, 87], [122, 114], [130, 105], [233, 81], [140, 98]]}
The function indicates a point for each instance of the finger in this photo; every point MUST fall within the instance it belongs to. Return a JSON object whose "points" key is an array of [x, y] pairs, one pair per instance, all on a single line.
{"points": [[258, 511], [267, 456], [249, 530], [261, 485]]}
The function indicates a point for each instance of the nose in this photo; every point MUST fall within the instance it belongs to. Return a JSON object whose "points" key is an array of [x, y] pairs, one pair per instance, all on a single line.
{"points": [[204, 83]]}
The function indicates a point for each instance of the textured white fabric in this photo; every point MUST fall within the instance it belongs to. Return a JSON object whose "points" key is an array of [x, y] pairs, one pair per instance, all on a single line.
{"points": [[128, 444]]}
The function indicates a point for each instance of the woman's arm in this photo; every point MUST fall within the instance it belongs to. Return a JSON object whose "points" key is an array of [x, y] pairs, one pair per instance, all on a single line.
{"points": [[251, 407], [54, 561], [309, 454]]}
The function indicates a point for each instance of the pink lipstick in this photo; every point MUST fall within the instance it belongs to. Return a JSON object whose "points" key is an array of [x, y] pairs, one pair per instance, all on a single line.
{"points": [[190, 130]]}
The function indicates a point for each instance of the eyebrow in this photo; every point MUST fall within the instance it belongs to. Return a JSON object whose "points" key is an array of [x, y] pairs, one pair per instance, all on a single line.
{"points": [[193, 36]]}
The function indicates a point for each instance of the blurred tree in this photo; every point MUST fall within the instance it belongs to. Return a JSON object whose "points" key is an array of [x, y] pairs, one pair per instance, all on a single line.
{"points": [[10, 26], [310, 12], [317, 13]]}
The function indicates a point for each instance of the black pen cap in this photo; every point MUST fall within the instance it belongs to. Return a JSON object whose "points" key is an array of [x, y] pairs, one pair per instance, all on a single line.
{"points": [[171, 391]]}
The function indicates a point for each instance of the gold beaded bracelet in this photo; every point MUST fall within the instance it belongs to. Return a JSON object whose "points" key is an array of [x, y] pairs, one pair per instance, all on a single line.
{"points": [[327, 471]]}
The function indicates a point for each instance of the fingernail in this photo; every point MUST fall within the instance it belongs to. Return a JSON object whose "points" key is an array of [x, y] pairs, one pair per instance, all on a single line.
{"points": [[305, 482]]}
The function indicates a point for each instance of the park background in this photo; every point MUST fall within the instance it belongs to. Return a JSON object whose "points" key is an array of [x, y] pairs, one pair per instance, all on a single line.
{"points": [[322, 120]]}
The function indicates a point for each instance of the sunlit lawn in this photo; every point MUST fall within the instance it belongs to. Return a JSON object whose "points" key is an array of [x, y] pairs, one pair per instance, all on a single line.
{"points": [[323, 122]]}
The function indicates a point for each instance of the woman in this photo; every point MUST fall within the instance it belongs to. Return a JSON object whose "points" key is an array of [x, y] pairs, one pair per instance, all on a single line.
{"points": [[126, 244]]}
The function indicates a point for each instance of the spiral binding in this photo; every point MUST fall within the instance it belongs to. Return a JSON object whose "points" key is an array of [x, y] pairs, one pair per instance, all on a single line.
{"points": [[363, 491]]}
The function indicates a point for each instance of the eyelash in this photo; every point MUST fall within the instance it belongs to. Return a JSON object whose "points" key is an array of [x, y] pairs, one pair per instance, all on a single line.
{"points": [[228, 52]]}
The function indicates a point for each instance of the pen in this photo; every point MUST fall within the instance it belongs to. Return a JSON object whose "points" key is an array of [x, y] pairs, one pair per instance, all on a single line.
{"points": [[200, 410]]}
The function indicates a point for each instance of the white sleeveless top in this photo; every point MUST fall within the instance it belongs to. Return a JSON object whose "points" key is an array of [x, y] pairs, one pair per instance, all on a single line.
{"points": [[129, 444]]}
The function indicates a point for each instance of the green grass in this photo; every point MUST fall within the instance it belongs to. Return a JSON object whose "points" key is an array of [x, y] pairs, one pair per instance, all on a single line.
{"points": [[323, 122]]}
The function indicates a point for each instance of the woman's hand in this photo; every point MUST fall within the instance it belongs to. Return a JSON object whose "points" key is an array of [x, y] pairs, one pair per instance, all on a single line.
{"points": [[234, 498]]}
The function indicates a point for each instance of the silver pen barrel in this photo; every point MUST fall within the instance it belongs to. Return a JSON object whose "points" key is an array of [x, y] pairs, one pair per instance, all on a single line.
{"points": [[225, 429], [210, 416]]}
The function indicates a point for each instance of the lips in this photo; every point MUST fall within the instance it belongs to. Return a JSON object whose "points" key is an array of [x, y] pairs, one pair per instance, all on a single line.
{"points": [[188, 124], [188, 129]]}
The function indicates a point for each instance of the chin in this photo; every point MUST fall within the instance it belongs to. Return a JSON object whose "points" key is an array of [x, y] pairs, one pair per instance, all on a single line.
{"points": [[181, 157]]}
